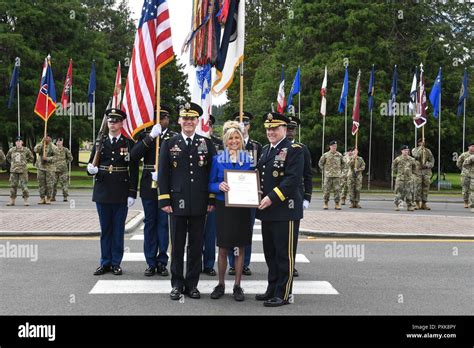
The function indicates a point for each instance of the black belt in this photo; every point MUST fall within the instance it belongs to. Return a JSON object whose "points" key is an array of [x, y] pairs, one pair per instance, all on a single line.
{"points": [[111, 169], [149, 167]]}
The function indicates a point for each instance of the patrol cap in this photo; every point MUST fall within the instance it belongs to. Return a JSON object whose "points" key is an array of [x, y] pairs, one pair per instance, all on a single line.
{"points": [[294, 121], [332, 142], [212, 120], [274, 119], [190, 109], [404, 147], [115, 115], [246, 117]]}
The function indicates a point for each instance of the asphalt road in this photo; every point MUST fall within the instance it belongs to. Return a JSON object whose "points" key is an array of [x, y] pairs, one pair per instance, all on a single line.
{"points": [[378, 277]]}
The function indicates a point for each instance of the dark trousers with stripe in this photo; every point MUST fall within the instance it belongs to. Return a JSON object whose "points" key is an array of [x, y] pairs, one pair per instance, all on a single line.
{"points": [[279, 239], [156, 236], [191, 227], [112, 226]]}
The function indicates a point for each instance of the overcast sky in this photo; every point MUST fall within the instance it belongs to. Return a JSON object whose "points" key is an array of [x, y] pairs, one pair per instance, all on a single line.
{"points": [[180, 15]]}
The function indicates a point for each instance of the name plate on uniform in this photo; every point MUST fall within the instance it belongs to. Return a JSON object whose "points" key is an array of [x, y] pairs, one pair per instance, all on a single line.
{"points": [[244, 188]]}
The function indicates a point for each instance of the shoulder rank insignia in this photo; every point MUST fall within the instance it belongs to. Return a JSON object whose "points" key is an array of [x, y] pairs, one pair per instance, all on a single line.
{"points": [[295, 145]]}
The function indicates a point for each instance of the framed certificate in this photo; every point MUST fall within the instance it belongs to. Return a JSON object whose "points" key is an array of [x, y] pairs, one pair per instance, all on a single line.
{"points": [[244, 188]]}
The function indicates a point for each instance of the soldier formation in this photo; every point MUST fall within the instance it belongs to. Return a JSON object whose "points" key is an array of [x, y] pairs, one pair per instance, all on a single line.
{"points": [[52, 168]]}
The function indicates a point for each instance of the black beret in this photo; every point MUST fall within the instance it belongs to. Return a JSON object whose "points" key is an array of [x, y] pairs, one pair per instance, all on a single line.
{"points": [[332, 142]]}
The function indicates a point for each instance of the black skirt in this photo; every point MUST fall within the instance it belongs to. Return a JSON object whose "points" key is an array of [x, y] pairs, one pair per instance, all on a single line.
{"points": [[232, 226]]}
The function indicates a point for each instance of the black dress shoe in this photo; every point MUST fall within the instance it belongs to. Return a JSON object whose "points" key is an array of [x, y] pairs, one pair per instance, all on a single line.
{"points": [[218, 292], [175, 294], [102, 270], [246, 271], [295, 273], [275, 302], [209, 271], [263, 297], [161, 270], [231, 271], [117, 270], [149, 271], [193, 293], [238, 293]]}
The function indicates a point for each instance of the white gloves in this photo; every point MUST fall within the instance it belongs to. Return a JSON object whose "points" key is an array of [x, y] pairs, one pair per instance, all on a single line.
{"points": [[130, 202], [155, 131], [305, 204], [154, 176], [91, 169]]}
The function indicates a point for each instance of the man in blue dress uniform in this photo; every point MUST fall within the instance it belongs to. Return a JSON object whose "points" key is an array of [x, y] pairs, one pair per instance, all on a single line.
{"points": [[281, 208], [209, 246], [307, 185], [155, 230], [183, 178], [254, 149], [115, 190]]}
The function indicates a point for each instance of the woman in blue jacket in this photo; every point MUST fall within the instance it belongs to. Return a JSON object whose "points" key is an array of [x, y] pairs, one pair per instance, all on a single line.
{"points": [[233, 228]]}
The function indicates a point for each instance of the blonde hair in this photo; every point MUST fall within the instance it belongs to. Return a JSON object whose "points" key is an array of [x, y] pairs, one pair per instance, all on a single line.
{"points": [[231, 127]]}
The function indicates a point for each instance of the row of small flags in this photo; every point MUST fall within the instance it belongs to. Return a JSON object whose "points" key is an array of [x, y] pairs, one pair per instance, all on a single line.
{"points": [[46, 102], [417, 94]]}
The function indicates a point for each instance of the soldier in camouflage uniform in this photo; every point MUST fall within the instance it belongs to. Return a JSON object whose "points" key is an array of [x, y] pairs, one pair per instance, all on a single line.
{"points": [[403, 167], [345, 170], [18, 157], [425, 161], [468, 165], [356, 166], [466, 179], [46, 168], [61, 174], [2, 158], [331, 163]]}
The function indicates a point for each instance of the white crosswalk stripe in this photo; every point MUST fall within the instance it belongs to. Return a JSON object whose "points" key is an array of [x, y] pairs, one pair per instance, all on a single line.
{"points": [[256, 257], [255, 237], [303, 287]]}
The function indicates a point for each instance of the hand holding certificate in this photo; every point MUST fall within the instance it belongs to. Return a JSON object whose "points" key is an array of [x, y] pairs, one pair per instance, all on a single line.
{"points": [[243, 188]]}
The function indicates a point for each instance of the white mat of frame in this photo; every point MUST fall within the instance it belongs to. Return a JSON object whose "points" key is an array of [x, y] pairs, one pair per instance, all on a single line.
{"points": [[302, 287], [256, 257], [255, 237]]}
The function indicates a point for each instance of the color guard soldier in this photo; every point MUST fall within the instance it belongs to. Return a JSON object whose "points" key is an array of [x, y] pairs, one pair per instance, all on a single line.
{"points": [[61, 174], [183, 177], [254, 149], [2, 158], [402, 168], [156, 227], [331, 163], [115, 190], [425, 161], [281, 208], [466, 180], [307, 185], [19, 156], [209, 246], [46, 164]]}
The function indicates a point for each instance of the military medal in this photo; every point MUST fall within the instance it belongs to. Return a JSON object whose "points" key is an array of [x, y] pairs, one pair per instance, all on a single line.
{"points": [[175, 164], [275, 174]]}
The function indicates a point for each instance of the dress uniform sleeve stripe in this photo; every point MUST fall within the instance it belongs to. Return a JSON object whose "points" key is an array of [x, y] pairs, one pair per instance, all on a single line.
{"points": [[279, 193], [212, 195], [167, 196]]}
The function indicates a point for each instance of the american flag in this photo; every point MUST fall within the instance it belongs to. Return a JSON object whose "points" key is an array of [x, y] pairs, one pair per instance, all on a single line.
{"points": [[152, 50]]}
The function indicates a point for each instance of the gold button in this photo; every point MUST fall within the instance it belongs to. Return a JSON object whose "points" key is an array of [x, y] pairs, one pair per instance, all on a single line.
{"points": [[192, 180], [190, 156]]}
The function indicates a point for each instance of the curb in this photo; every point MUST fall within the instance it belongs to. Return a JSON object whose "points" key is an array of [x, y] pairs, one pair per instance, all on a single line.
{"points": [[386, 235], [130, 226]]}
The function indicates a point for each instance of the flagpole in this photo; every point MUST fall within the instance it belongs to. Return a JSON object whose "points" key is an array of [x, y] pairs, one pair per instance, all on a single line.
{"points": [[439, 143], [241, 98], [93, 117], [70, 124], [416, 136], [154, 184], [393, 142], [370, 149], [345, 128], [464, 127], [299, 106], [18, 97]]}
